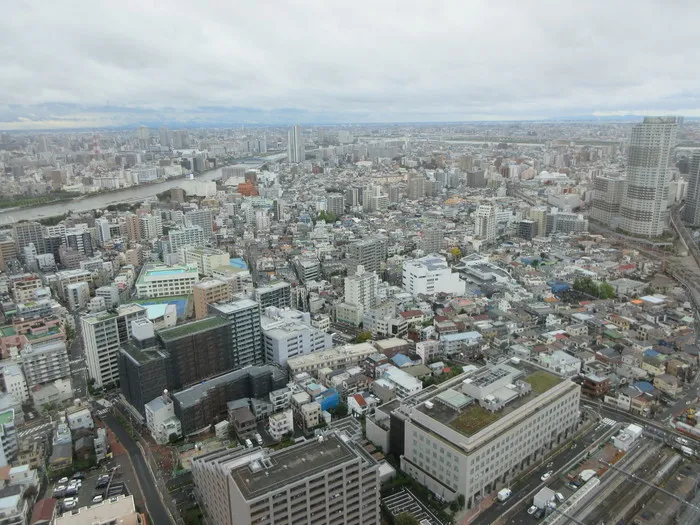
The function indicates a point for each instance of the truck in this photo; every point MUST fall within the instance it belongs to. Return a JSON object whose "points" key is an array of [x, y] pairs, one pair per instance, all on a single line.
{"points": [[504, 494]]}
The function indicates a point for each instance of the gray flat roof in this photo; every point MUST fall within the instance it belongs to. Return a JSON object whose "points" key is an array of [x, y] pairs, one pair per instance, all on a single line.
{"points": [[292, 464]]}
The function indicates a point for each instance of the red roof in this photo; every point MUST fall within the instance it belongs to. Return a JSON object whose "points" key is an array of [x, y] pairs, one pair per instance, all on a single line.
{"points": [[411, 313], [360, 400], [44, 511], [625, 267]]}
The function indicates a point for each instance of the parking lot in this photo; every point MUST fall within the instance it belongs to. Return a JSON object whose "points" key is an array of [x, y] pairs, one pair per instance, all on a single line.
{"points": [[92, 487]]}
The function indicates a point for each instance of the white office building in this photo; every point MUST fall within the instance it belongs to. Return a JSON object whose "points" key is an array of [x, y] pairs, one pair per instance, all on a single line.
{"points": [[288, 333], [206, 259], [479, 431], [151, 226], [644, 209], [431, 275], [103, 334], [160, 280], [15, 383], [45, 362]]}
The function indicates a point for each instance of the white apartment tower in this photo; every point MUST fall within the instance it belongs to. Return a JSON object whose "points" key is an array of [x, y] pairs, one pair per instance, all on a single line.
{"points": [[644, 209], [295, 146], [431, 275], [691, 212], [485, 222], [361, 288], [103, 334]]}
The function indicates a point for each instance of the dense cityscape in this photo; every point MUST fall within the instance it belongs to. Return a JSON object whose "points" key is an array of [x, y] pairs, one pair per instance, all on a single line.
{"points": [[422, 324]]}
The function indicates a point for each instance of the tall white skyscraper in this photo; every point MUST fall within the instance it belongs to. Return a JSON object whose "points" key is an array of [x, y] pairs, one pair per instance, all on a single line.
{"points": [[295, 145], [361, 288], [644, 209], [691, 213], [485, 222]]}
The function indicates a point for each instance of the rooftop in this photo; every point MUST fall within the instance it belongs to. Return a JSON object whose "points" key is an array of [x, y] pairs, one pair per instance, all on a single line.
{"points": [[472, 418], [183, 330], [7, 417], [159, 271], [290, 465]]}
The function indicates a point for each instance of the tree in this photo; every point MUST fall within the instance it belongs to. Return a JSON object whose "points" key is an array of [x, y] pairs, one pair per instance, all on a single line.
{"points": [[606, 291], [341, 410], [461, 501], [405, 519], [363, 337], [456, 252]]}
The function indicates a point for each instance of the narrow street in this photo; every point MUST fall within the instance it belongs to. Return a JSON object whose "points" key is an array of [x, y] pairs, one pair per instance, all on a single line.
{"points": [[156, 509]]}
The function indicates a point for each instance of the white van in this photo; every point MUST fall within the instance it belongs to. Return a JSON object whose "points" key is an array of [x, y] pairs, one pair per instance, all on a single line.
{"points": [[259, 439], [248, 443]]}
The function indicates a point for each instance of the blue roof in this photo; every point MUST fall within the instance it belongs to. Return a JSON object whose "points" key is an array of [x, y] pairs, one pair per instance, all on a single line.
{"points": [[238, 263], [651, 353], [400, 360], [644, 386]]}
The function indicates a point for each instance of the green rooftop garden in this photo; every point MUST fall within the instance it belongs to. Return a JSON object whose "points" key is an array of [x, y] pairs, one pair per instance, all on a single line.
{"points": [[474, 419], [191, 328], [8, 330], [542, 381]]}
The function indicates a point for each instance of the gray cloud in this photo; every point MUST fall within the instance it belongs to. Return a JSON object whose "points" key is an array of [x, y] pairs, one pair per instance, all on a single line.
{"points": [[113, 63]]}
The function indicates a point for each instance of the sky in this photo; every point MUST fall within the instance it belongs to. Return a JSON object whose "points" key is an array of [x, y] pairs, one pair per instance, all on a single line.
{"points": [[79, 64]]}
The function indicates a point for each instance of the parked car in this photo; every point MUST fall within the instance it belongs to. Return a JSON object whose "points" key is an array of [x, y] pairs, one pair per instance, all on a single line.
{"points": [[59, 491], [69, 503], [78, 475], [63, 481], [98, 499], [532, 510], [546, 475], [559, 496], [539, 514]]}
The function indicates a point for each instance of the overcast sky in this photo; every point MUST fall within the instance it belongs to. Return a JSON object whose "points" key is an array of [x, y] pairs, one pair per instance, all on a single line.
{"points": [[85, 64]]}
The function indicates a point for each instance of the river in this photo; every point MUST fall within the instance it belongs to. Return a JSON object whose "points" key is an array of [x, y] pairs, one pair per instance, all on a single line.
{"points": [[102, 200]]}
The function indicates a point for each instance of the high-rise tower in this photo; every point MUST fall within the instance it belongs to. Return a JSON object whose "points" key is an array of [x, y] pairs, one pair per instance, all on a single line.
{"points": [[644, 204], [295, 146]]}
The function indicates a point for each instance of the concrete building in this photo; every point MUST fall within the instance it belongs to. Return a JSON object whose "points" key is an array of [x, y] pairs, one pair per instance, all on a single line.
{"points": [[474, 435], [315, 482], [370, 253], [295, 146], [644, 205], [13, 381], [485, 222], [209, 292], [335, 204], [206, 403], [202, 218], [8, 437], [160, 280], [277, 294], [288, 333], [308, 269], [150, 227], [431, 275], [161, 420], [691, 212], [77, 295], [338, 357], [28, 232], [45, 362], [243, 317], [206, 259], [361, 288], [186, 236], [79, 239], [103, 334], [281, 424], [527, 229], [119, 509], [607, 198]]}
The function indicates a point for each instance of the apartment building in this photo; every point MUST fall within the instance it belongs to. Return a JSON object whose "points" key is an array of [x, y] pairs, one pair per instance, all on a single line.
{"points": [[186, 236], [206, 259], [277, 294], [103, 334], [475, 433], [329, 480], [243, 317], [160, 280], [338, 357], [370, 253], [288, 333], [431, 275], [205, 403], [45, 362], [209, 292]]}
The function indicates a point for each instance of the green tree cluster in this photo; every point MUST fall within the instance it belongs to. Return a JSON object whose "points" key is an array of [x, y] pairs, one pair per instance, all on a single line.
{"points": [[586, 285], [363, 337], [327, 216]]}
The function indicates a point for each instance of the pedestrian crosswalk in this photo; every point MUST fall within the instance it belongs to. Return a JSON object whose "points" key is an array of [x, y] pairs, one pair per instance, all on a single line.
{"points": [[608, 421], [35, 429]]}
